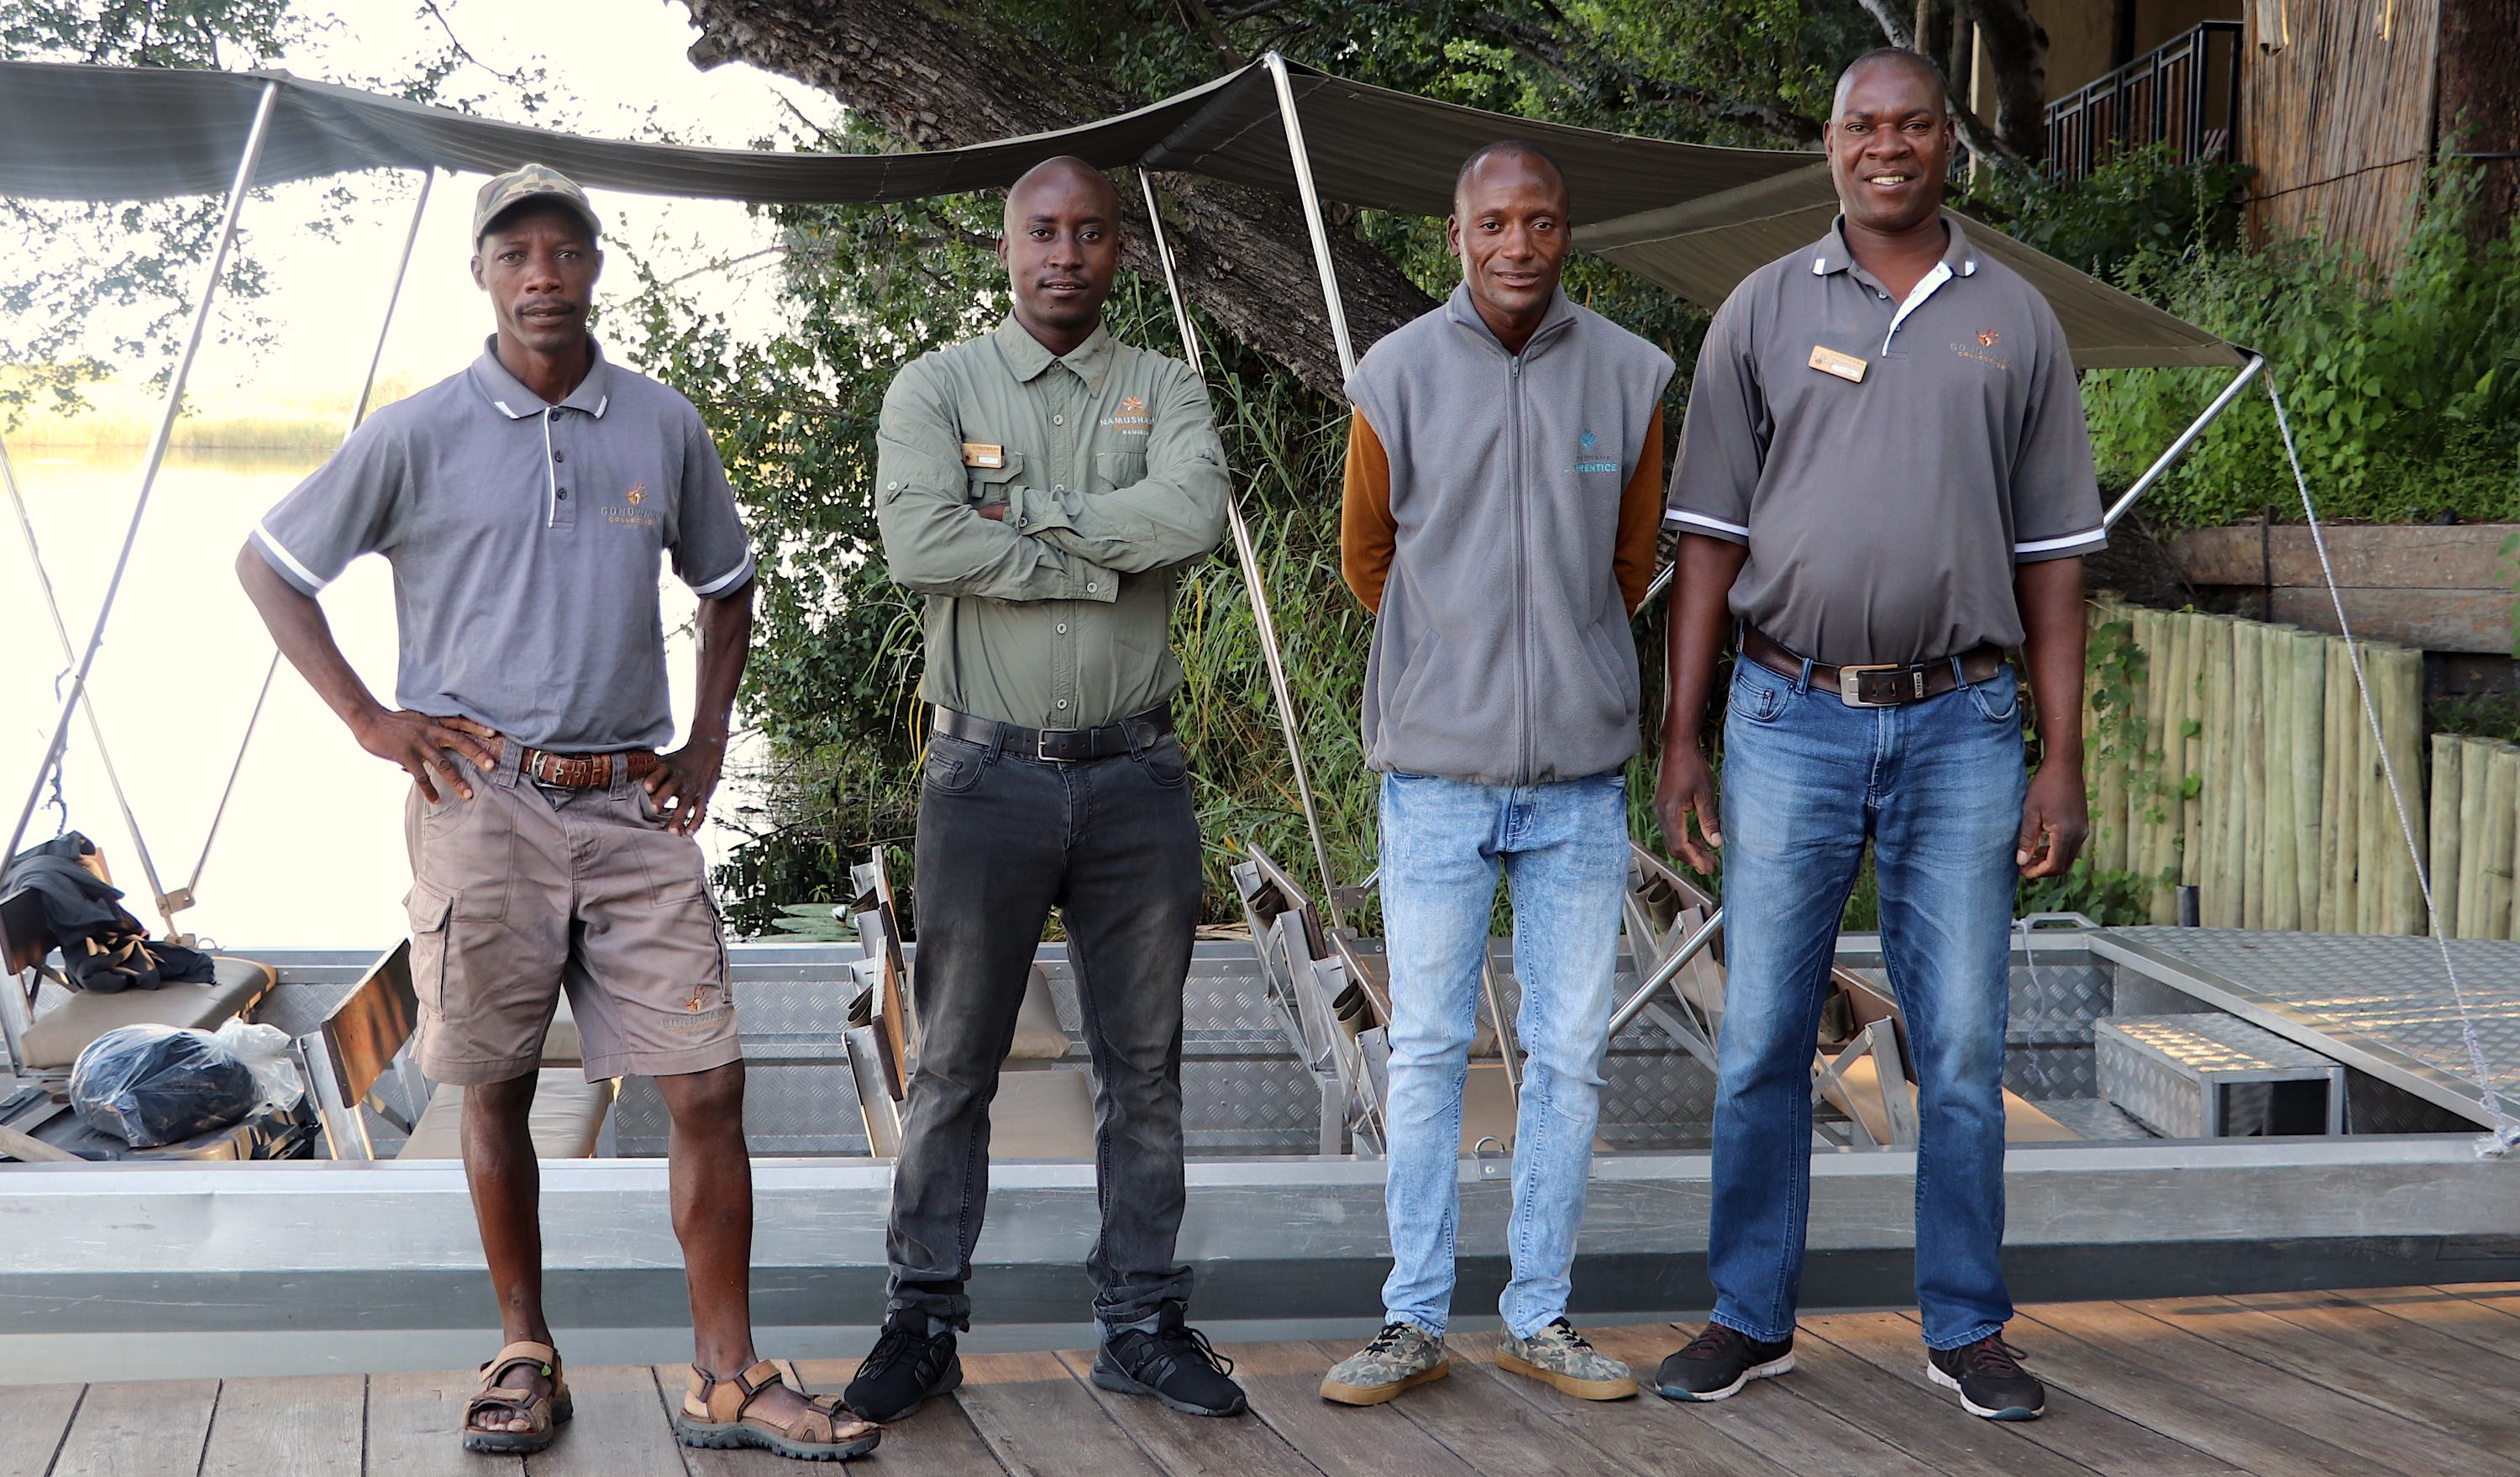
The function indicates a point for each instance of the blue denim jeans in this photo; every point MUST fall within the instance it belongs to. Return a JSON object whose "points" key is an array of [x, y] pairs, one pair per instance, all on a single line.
{"points": [[1564, 850], [1936, 787]]}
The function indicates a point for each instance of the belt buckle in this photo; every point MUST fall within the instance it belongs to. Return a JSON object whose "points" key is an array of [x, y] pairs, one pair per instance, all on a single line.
{"points": [[1041, 746], [1850, 683]]}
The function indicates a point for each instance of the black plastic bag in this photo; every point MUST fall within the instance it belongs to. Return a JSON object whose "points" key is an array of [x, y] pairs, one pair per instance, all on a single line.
{"points": [[154, 1084]]}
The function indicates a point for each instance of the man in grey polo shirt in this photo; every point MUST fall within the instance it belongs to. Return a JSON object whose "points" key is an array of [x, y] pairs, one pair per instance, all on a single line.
{"points": [[526, 505], [1886, 481]]}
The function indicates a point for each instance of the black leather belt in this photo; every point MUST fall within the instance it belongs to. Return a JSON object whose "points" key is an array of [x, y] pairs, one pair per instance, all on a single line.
{"points": [[1061, 745], [1880, 685]]}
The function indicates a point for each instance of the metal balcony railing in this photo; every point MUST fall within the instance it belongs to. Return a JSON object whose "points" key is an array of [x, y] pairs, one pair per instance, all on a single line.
{"points": [[2184, 93]]}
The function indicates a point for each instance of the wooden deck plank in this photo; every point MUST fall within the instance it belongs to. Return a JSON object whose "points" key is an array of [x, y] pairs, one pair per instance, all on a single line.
{"points": [[1491, 1431], [2075, 1428], [619, 1428], [2261, 1419], [1342, 1441], [2363, 1353], [310, 1426], [35, 1417], [1645, 1434], [142, 1428], [1194, 1445], [415, 1428], [2448, 1312], [1038, 1422], [1790, 1432], [2501, 1297], [1928, 1423]]}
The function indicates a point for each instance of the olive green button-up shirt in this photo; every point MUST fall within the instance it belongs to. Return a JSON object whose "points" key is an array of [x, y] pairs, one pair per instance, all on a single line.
{"points": [[1112, 477]]}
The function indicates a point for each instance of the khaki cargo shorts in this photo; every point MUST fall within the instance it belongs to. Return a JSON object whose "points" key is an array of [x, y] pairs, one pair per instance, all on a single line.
{"points": [[520, 893]]}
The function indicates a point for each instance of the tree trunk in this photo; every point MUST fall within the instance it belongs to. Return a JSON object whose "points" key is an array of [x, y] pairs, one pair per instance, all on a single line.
{"points": [[1243, 254], [2016, 54], [2479, 107]]}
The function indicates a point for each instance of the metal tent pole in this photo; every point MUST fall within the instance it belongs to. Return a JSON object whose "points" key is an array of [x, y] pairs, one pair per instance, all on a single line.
{"points": [[358, 414], [87, 705], [236, 191], [1250, 556], [2186, 438], [1303, 163]]}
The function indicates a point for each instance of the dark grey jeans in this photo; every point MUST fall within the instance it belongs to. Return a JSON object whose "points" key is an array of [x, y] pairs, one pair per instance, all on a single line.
{"points": [[1114, 845]]}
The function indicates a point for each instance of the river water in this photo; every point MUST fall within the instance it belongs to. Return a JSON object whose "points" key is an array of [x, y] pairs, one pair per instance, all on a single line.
{"points": [[310, 851]]}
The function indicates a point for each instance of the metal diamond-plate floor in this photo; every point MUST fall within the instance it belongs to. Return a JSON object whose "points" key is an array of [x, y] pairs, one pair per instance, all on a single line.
{"points": [[2378, 1004]]}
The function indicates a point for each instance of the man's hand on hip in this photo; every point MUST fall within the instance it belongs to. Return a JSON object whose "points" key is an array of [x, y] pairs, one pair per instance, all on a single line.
{"points": [[2055, 820], [687, 778], [419, 744], [1687, 788]]}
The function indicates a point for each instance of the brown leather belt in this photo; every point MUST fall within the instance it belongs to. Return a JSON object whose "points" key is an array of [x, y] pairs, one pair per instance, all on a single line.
{"points": [[584, 771], [1880, 685]]}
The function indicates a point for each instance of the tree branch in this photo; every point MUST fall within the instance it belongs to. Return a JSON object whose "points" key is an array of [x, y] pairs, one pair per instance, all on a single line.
{"points": [[1973, 130]]}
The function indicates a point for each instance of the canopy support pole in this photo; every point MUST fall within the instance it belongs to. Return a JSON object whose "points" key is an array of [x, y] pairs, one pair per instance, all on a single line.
{"points": [[2186, 438], [358, 414], [1303, 163], [87, 704], [236, 191], [1250, 556]]}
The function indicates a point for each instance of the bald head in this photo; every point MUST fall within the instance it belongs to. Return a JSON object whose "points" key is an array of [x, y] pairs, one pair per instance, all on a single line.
{"points": [[1520, 155], [1912, 65], [1060, 176]]}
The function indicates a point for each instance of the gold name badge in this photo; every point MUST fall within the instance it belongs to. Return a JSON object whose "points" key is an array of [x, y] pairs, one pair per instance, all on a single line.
{"points": [[983, 454], [1829, 361]]}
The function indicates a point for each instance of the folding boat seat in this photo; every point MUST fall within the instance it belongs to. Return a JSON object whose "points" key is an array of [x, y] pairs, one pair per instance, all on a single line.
{"points": [[1042, 1111], [53, 1039]]}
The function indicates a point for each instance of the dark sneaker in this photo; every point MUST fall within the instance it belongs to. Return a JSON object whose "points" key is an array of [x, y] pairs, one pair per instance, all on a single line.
{"points": [[1402, 1357], [903, 1369], [1718, 1362], [1175, 1363], [1990, 1378]]}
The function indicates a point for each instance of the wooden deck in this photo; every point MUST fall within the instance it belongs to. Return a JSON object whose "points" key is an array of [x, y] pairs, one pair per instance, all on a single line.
{"points": [[2409, 1381]]}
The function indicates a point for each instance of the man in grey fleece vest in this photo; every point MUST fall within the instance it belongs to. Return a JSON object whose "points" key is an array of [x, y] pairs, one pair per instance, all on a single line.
{"points": [[1499, 516]]}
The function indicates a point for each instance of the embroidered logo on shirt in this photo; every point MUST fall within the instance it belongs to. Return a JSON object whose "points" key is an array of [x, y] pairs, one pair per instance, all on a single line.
{"points": [[1133, 402], [1132, 419], [1980, 354], [636, 494], [630, 497], [1987, 337], [1585, 461]]}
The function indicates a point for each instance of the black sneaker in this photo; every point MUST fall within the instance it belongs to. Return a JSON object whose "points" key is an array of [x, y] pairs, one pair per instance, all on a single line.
{"points": [[1175, 1363], [1990, 1378], [903, 1369], [1718, 1362]]}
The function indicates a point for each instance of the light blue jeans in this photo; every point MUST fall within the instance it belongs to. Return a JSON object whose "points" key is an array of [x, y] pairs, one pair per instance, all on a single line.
{"points": [[1936, 787], [1564, 850]]}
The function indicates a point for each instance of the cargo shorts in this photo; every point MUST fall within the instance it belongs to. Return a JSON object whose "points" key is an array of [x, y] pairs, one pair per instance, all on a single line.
{"points": [[523, 892]]}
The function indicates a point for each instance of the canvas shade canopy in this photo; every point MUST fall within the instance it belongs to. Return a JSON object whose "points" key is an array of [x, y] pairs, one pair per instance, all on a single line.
{"points": [[1690, 217]]}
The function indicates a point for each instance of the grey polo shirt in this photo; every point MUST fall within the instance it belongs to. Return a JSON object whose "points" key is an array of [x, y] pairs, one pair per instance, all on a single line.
{"points": [[525, 541], [1885, 516]]}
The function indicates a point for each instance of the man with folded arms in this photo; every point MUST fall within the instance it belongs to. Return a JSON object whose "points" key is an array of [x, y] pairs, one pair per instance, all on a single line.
{"points": [[1042, 485], [1503, 484], [526, 505], [1886, 480]]}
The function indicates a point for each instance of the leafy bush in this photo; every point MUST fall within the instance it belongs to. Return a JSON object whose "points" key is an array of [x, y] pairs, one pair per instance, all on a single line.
{"points": [[2403, 393]]}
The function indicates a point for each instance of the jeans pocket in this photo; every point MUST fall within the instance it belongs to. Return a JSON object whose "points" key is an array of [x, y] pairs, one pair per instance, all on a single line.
{"points": [[1997, 699], [954, 764], [1757, 700], [1166, 764]]}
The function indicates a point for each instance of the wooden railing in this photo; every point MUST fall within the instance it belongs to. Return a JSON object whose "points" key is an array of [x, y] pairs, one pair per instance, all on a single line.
{"points": [[2184, 93]]}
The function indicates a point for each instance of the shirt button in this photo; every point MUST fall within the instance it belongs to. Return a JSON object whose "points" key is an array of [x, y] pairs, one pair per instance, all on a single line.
{"points": [[893, 486], [1090, 589], [1063, 703], [1062, 628], [1023, 522], [1062, 487], [1059, 421], [563, 494], [556, 456]]}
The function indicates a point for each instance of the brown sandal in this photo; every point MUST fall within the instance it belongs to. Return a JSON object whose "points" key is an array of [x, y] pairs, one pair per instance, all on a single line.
{"points": [[713, 1416], [542, 1415]]}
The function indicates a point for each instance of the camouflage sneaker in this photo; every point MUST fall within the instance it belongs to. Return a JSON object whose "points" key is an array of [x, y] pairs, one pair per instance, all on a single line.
{"points": [[1401, 1355], [1558, 1356]]}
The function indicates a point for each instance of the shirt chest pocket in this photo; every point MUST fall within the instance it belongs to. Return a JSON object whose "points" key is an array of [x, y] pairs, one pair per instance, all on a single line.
{"points": [[1115, 470], [989, 484]]}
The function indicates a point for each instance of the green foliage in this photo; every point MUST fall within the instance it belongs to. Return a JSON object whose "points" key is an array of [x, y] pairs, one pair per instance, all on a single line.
{"points": [[2139, 200], [2403, 393]]}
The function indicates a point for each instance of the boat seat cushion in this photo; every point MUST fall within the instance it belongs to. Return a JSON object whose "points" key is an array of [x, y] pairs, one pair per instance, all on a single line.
{"points": [[562, 1047], [56, 1037], [1038, 1035], [1859, 1095], [568, 1114], [1042, 1113], [1488, 1109]]}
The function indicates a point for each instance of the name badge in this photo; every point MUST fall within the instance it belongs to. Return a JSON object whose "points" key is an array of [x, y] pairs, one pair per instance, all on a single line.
{"points": [[983, 454], [1829, 361]]}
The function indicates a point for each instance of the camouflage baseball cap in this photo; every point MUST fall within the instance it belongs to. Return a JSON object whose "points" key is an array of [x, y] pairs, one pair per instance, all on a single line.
{"points": [[530, 182]]}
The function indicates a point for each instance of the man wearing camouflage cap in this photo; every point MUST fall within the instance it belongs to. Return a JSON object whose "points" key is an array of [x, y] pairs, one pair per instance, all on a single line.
{"points": [[524, 505]]}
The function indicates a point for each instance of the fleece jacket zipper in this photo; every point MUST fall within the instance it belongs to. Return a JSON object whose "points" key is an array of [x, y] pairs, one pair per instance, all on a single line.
{"points": [[1521, 570]]}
